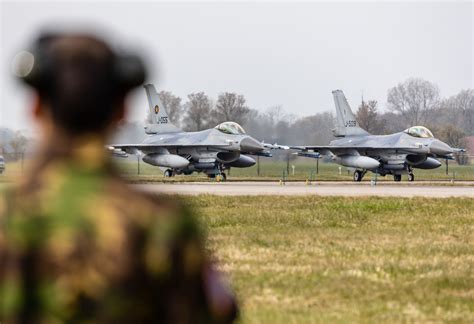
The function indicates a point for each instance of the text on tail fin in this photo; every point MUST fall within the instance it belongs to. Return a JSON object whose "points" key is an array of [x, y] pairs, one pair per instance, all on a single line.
{"points": [[346, 124], [158, 116]]}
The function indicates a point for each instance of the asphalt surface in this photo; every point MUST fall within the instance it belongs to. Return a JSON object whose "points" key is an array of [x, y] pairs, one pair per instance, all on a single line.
{"points": [[320, 189]]}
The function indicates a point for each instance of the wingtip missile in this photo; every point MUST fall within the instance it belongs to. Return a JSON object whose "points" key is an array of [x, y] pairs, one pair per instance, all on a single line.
{"points": [[313, 155]]}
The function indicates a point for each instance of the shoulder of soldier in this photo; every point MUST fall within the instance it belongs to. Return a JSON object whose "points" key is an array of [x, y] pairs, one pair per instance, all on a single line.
{"points": [[3, 190], [3, 204], [160, 205], [158, 213], [3, 215]]}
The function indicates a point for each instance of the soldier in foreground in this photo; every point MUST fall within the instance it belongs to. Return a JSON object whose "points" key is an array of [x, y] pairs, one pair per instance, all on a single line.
{"points": [[76, 243]]}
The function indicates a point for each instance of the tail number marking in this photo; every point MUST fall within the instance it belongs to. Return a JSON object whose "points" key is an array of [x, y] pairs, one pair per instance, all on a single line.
{"points": [[163, 120], [350, 123]]}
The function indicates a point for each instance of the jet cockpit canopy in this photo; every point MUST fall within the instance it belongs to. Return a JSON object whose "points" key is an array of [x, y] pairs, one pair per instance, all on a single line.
{"points": [[419, 131], [230, 128]]}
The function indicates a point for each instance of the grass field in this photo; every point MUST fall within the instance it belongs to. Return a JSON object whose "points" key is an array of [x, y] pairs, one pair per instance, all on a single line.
{"points": [[304, 169], [340, 260], [313, 259], [269, 170]]}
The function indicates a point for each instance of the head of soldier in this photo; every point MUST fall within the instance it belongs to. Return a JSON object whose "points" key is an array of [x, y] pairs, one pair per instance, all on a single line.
{"points": [[80, 83]]}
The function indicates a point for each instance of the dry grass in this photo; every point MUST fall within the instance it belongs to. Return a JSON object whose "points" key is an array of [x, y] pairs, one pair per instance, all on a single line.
{"points": [[313, 259]]}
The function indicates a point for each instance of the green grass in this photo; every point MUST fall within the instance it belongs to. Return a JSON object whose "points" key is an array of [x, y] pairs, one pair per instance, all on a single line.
{"points": [[304, 169], [13, 170], [313, 259], [269, 170]]}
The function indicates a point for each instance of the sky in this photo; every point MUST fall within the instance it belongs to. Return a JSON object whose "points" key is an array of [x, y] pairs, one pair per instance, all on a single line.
{"points": [[274, 53]]}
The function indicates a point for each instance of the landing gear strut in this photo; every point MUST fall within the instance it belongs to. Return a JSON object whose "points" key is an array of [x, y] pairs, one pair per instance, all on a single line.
{"points": [[221, 177], [218, 173], [411, 176], [358, 175], [168, 173]]}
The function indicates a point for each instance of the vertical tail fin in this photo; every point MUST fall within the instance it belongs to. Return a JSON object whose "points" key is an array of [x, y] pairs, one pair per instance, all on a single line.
{"points": [[346, 124], [160, 122]]}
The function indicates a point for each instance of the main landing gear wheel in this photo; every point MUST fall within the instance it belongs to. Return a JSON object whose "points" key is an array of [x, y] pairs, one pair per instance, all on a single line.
{"points": [[358, 175], [397, 177], [221, 177], [169, 173], [411, 177]]}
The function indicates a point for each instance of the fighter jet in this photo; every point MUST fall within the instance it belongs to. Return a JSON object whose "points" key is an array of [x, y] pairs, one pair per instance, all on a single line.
{"points": [[211, 151], [394, 154]]}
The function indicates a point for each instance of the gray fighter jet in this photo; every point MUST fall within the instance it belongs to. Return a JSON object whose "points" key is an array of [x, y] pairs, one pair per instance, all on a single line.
{"points": [[394, 154], [211, 151]]}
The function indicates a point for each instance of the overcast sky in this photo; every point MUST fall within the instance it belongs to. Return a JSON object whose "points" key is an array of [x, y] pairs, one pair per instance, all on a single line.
{"points": [[289, 54]]}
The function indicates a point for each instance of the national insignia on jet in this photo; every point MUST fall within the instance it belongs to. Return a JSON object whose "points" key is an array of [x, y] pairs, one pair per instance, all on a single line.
{"points": [[157, 109]]}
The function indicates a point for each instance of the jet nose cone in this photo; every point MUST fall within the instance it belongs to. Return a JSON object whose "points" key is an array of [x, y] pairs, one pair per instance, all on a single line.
{"points": [[440, 148], [249, 144]]}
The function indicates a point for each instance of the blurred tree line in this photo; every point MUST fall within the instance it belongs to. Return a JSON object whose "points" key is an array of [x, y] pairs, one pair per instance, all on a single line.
{"points": [[13, 144], [412, 102]]}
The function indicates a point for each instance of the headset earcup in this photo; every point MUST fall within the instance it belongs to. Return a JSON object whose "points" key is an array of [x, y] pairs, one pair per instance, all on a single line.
{"points": [[41, 73], [129, 71]]}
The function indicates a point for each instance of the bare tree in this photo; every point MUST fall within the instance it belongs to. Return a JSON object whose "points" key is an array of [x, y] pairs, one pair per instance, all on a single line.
{"points": [[230, 107], [19, 143], [128, 132], [198, 112], [460, 110], [414, 99], [451, 135], [275, 114], [172, 105], [455, 137], [312, 130], [368, 117], [255, 125], [275, 124]]}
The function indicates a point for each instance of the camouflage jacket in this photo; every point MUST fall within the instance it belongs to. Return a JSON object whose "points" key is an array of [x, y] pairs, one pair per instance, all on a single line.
{"points": [[79, 245]]}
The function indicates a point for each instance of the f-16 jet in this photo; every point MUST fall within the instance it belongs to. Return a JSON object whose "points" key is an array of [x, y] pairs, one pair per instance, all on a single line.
{"points": [[211, 151], [394, 154]]}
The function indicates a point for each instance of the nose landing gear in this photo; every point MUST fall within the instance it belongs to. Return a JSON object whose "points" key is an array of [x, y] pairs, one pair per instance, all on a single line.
{"points": [[218, 173], [221, 177], [358, 175], [169, 173]]}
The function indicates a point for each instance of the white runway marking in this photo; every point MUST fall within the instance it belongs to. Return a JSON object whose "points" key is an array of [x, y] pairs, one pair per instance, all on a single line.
{"points": [[294, 189]]}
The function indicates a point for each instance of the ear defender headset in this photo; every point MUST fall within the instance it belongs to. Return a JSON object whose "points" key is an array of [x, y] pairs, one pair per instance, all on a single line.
{"points": [[36, 66]]}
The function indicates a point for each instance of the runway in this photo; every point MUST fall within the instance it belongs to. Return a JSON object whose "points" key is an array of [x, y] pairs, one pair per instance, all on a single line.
{"points": [[320, 189]]}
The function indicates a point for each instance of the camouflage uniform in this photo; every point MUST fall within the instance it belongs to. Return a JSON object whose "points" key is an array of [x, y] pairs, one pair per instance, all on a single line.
{"points": [[78, 245]]}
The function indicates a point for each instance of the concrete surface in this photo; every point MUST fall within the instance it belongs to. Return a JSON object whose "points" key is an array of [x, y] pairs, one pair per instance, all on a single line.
{"points": [[326, 189]]}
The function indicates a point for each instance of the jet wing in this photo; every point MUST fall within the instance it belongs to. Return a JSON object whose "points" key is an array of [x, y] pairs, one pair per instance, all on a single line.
{"points": [[150, 148], [275, 146], [341, 150]]}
